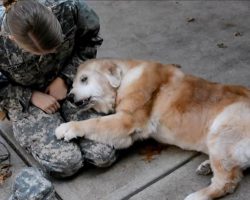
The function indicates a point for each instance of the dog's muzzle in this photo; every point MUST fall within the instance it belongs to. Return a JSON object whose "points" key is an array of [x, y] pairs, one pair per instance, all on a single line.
{"points": [[82, 103]]}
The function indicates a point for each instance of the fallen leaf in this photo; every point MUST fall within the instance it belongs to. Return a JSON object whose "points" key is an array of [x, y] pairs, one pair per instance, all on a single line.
{"points": [[2, 116], [236, 34], [5, 172], [221, 45], [149, 151], [190, 19], [5, 176], [229, 25]]}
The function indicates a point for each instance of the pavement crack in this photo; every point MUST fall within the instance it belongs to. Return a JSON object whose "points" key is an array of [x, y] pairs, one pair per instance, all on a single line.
{"points": [[160, 177]]}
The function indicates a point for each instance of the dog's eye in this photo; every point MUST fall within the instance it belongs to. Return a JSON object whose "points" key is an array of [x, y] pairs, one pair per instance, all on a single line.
{"points": [[84, 79]]}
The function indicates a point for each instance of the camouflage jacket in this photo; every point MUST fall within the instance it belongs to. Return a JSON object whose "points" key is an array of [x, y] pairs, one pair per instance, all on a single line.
{"points": [[26, 72]]}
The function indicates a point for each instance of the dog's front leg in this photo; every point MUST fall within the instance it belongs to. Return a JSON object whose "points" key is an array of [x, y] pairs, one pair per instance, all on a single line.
{"points": [[113, 129]]}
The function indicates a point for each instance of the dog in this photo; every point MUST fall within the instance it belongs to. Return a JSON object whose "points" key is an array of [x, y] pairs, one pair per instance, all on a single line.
{"points": [[152, 100]]}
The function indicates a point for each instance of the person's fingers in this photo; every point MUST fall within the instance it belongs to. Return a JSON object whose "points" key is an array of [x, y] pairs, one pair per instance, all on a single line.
{"points": [[50, 108], [58, 105], [48, 111], [55, 104], [54, 107]]}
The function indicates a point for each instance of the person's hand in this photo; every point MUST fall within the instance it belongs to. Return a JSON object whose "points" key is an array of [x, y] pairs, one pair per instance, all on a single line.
{"points": [[45, 102], [58, 89]]}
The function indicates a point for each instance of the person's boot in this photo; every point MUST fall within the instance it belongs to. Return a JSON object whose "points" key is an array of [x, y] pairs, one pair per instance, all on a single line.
{"points": [[98, 154], [31, 184]]}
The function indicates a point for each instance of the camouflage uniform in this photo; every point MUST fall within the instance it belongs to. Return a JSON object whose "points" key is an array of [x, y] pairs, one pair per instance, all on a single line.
{"points": [[22, 72], [31, 184]]}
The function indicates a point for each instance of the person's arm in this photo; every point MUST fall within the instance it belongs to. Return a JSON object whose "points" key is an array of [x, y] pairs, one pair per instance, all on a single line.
{"points": [[86, 40], [10, 91], [23, 97], [12, 94]]}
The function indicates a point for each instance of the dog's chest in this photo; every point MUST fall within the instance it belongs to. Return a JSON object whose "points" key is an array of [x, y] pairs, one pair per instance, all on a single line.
{"points": [[147, 131]]}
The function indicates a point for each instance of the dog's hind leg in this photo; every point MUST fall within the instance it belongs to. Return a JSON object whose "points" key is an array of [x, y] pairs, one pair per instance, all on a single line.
{"points": [[227, 174], [204, 168], [225, 180]]}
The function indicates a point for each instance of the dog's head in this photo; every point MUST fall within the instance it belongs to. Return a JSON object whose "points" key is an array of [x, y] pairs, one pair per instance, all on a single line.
{"points": [[95, 86]]}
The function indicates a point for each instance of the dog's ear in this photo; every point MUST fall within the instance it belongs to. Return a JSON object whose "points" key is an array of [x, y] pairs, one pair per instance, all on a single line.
{"points": [[113, 74]]}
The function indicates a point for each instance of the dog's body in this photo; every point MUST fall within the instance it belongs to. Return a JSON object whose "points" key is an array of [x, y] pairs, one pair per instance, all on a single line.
{"points": [[159, 101]]}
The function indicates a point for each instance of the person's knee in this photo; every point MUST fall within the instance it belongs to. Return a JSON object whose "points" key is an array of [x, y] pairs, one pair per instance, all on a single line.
{"points": [[36, 134], [104, 161], [98, 154]]}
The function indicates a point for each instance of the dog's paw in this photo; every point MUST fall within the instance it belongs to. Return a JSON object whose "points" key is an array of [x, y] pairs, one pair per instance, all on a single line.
{"points": [[204, 168], [197, 196], [67, 131]]}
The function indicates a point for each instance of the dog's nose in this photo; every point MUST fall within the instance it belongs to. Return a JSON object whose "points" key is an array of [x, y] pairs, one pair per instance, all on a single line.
{"points": [[71, 97]]}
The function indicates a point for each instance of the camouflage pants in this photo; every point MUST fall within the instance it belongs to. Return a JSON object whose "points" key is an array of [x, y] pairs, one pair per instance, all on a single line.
{"points": [[34, 130]]}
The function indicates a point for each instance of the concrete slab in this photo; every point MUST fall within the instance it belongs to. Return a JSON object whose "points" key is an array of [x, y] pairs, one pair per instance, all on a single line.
{"points": [[159, 30], [177, 185], [130, 175], [17, 165], [184, 181]]}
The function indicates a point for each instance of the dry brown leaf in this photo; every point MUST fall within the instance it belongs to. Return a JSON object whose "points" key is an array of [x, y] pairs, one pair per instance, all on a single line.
{"points": [[3, 177], [190, 19], [2, 116], [236, 34], [5, 172], [151, 150], [221, 45]]}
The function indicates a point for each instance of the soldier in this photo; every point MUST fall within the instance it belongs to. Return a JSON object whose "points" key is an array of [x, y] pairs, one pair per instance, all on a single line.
{"points": [[41, 44]]}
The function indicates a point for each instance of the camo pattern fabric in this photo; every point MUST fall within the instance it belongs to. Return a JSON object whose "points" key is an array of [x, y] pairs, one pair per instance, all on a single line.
{"points": [[31, 184], [21, 73], [27, 72]]}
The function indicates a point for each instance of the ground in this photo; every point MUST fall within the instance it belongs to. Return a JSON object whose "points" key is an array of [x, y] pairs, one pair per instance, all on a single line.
{"points": [[209, 39]]}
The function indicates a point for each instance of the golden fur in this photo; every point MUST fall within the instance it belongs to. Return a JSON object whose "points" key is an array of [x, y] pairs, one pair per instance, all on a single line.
{"points": [[157, 100]]}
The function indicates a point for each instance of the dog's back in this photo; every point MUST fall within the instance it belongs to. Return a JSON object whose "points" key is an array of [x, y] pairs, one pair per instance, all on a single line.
{"points": [[189, 107]]}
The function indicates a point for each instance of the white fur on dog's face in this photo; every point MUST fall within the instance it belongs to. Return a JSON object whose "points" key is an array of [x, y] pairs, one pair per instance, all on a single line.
{"points": [[92, 89]]}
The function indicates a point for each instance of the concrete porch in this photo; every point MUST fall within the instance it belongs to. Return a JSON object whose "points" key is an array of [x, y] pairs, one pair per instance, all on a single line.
{"points": [[210, 39]]}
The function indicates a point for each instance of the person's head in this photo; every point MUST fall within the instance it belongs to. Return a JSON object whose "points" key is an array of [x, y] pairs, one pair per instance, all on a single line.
{"points": [[32, 26]]}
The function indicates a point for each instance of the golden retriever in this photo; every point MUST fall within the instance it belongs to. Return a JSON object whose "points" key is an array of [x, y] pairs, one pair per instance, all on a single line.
{"points": [[150, 99]]}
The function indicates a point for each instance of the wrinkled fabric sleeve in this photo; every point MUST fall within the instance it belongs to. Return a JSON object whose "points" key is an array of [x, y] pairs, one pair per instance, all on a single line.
{"points": [[86, 39], [8, 91], [13, 93]]}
